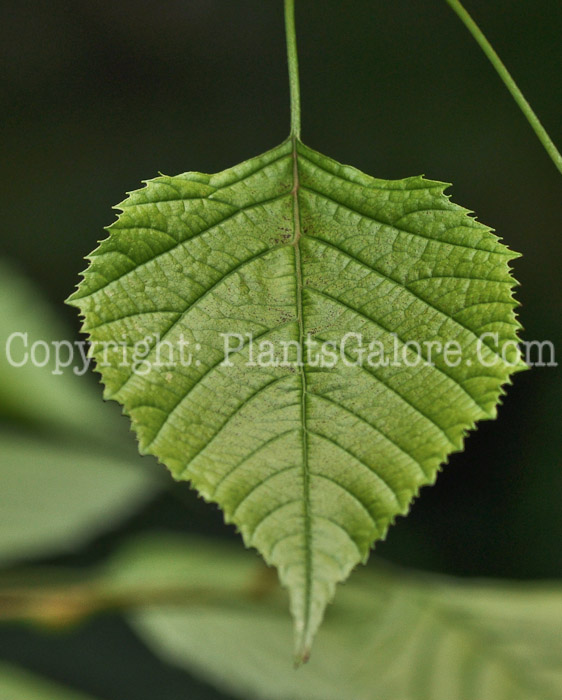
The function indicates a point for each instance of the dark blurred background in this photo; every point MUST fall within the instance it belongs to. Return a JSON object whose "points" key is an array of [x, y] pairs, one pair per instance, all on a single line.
{"points": [[99, 95]]}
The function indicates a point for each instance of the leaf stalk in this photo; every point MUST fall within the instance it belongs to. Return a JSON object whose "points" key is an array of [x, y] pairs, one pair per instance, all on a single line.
{"points": [[509, 82], [292, 56]]}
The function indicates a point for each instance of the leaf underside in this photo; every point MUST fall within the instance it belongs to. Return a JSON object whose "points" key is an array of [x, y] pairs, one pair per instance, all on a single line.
{"points": [[312, 464]]}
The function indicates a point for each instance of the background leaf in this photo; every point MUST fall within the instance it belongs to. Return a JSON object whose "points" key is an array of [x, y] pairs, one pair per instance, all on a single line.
{"points": [[66, 469], [54, 498], [33, 394], [17, 684], [312, 462], [390, 634]]}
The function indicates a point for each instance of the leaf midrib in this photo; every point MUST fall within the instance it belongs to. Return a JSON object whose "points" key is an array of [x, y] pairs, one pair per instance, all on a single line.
{"points": [[303, 651]]}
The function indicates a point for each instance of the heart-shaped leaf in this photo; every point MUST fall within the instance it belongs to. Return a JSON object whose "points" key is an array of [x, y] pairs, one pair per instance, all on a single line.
{"points": [[305, 344]]}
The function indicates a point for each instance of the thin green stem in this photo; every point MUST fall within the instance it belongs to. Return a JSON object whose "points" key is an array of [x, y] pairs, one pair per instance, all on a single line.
{"points": [[292, 56], [511, 85]]}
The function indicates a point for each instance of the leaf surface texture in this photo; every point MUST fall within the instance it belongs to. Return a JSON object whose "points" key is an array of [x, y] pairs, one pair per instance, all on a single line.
{"points": [[311, 463]]}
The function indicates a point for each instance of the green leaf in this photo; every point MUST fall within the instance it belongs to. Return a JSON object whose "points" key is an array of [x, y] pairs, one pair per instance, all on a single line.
{"points": [[390, 635], [54, 498], [46, 395], [69, 475], [312, 464], [19, 684]]}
